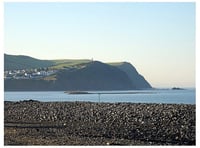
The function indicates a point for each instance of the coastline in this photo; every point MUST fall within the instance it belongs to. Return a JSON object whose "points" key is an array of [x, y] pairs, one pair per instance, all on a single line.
{"points": [[86, 123]]}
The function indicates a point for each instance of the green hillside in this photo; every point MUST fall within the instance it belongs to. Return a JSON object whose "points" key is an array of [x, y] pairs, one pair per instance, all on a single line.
{"points": [[59, 64], [72, 75], [17, 62], [94, 76]]}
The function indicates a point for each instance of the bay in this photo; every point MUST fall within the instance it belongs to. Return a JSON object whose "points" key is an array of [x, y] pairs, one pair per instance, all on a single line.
{"points": [[186, 96]]}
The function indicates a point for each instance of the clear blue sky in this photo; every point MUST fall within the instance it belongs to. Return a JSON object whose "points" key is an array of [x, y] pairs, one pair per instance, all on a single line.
{"points": [[157, 38]]}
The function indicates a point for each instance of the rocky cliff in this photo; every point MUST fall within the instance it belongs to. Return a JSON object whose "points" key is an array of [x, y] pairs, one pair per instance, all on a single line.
{"points": [[93, 75]]}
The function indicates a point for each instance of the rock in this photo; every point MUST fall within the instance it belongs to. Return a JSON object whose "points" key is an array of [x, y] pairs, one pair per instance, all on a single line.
{"points": [[148, 124]]}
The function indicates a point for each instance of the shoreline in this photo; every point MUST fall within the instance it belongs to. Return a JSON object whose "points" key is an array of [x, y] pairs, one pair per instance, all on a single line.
{"points": [[88, 123]]}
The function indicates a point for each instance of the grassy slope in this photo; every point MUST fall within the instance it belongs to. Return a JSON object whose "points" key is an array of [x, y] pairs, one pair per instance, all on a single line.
{"points": [[12, 62], [78, 64], [25, 62], [15, 62], [59, 64], [115, 63]]}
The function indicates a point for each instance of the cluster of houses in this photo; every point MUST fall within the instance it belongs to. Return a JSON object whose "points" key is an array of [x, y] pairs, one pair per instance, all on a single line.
{"points": [[28, 74]]}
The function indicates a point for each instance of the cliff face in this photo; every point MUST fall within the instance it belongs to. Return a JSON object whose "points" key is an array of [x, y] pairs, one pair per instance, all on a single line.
{"points": [[137, 80]]}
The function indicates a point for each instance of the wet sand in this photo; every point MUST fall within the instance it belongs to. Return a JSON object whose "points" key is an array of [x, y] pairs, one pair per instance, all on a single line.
{"points": [[85, 123]]}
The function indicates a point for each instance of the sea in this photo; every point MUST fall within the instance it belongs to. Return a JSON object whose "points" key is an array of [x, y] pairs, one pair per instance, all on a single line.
{"points": [[166, 96]]}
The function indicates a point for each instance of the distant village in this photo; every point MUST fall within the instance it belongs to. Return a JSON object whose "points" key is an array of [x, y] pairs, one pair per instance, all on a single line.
{"points": [[28, 73]]}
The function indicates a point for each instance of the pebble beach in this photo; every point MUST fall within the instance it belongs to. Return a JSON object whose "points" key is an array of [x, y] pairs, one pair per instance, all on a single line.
{"points": [[87, 123]]}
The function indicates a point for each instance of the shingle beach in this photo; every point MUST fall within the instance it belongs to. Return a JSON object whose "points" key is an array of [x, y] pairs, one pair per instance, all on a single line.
{"points": [[86, 123]]}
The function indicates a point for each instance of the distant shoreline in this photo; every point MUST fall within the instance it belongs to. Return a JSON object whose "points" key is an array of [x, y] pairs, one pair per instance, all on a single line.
{"points": [[104, 92], [66, 91]]}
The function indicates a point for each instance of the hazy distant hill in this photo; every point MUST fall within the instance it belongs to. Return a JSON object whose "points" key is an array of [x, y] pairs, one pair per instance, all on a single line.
{"points": [[75, 75], [13, 62], [18, 62]]}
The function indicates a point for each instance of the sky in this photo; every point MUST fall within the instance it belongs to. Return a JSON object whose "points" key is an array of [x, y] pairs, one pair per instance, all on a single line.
{"points": [[157, 38]]}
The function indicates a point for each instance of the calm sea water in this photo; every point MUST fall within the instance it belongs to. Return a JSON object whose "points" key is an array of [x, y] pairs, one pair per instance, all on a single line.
{"points": [[186, 96]]}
